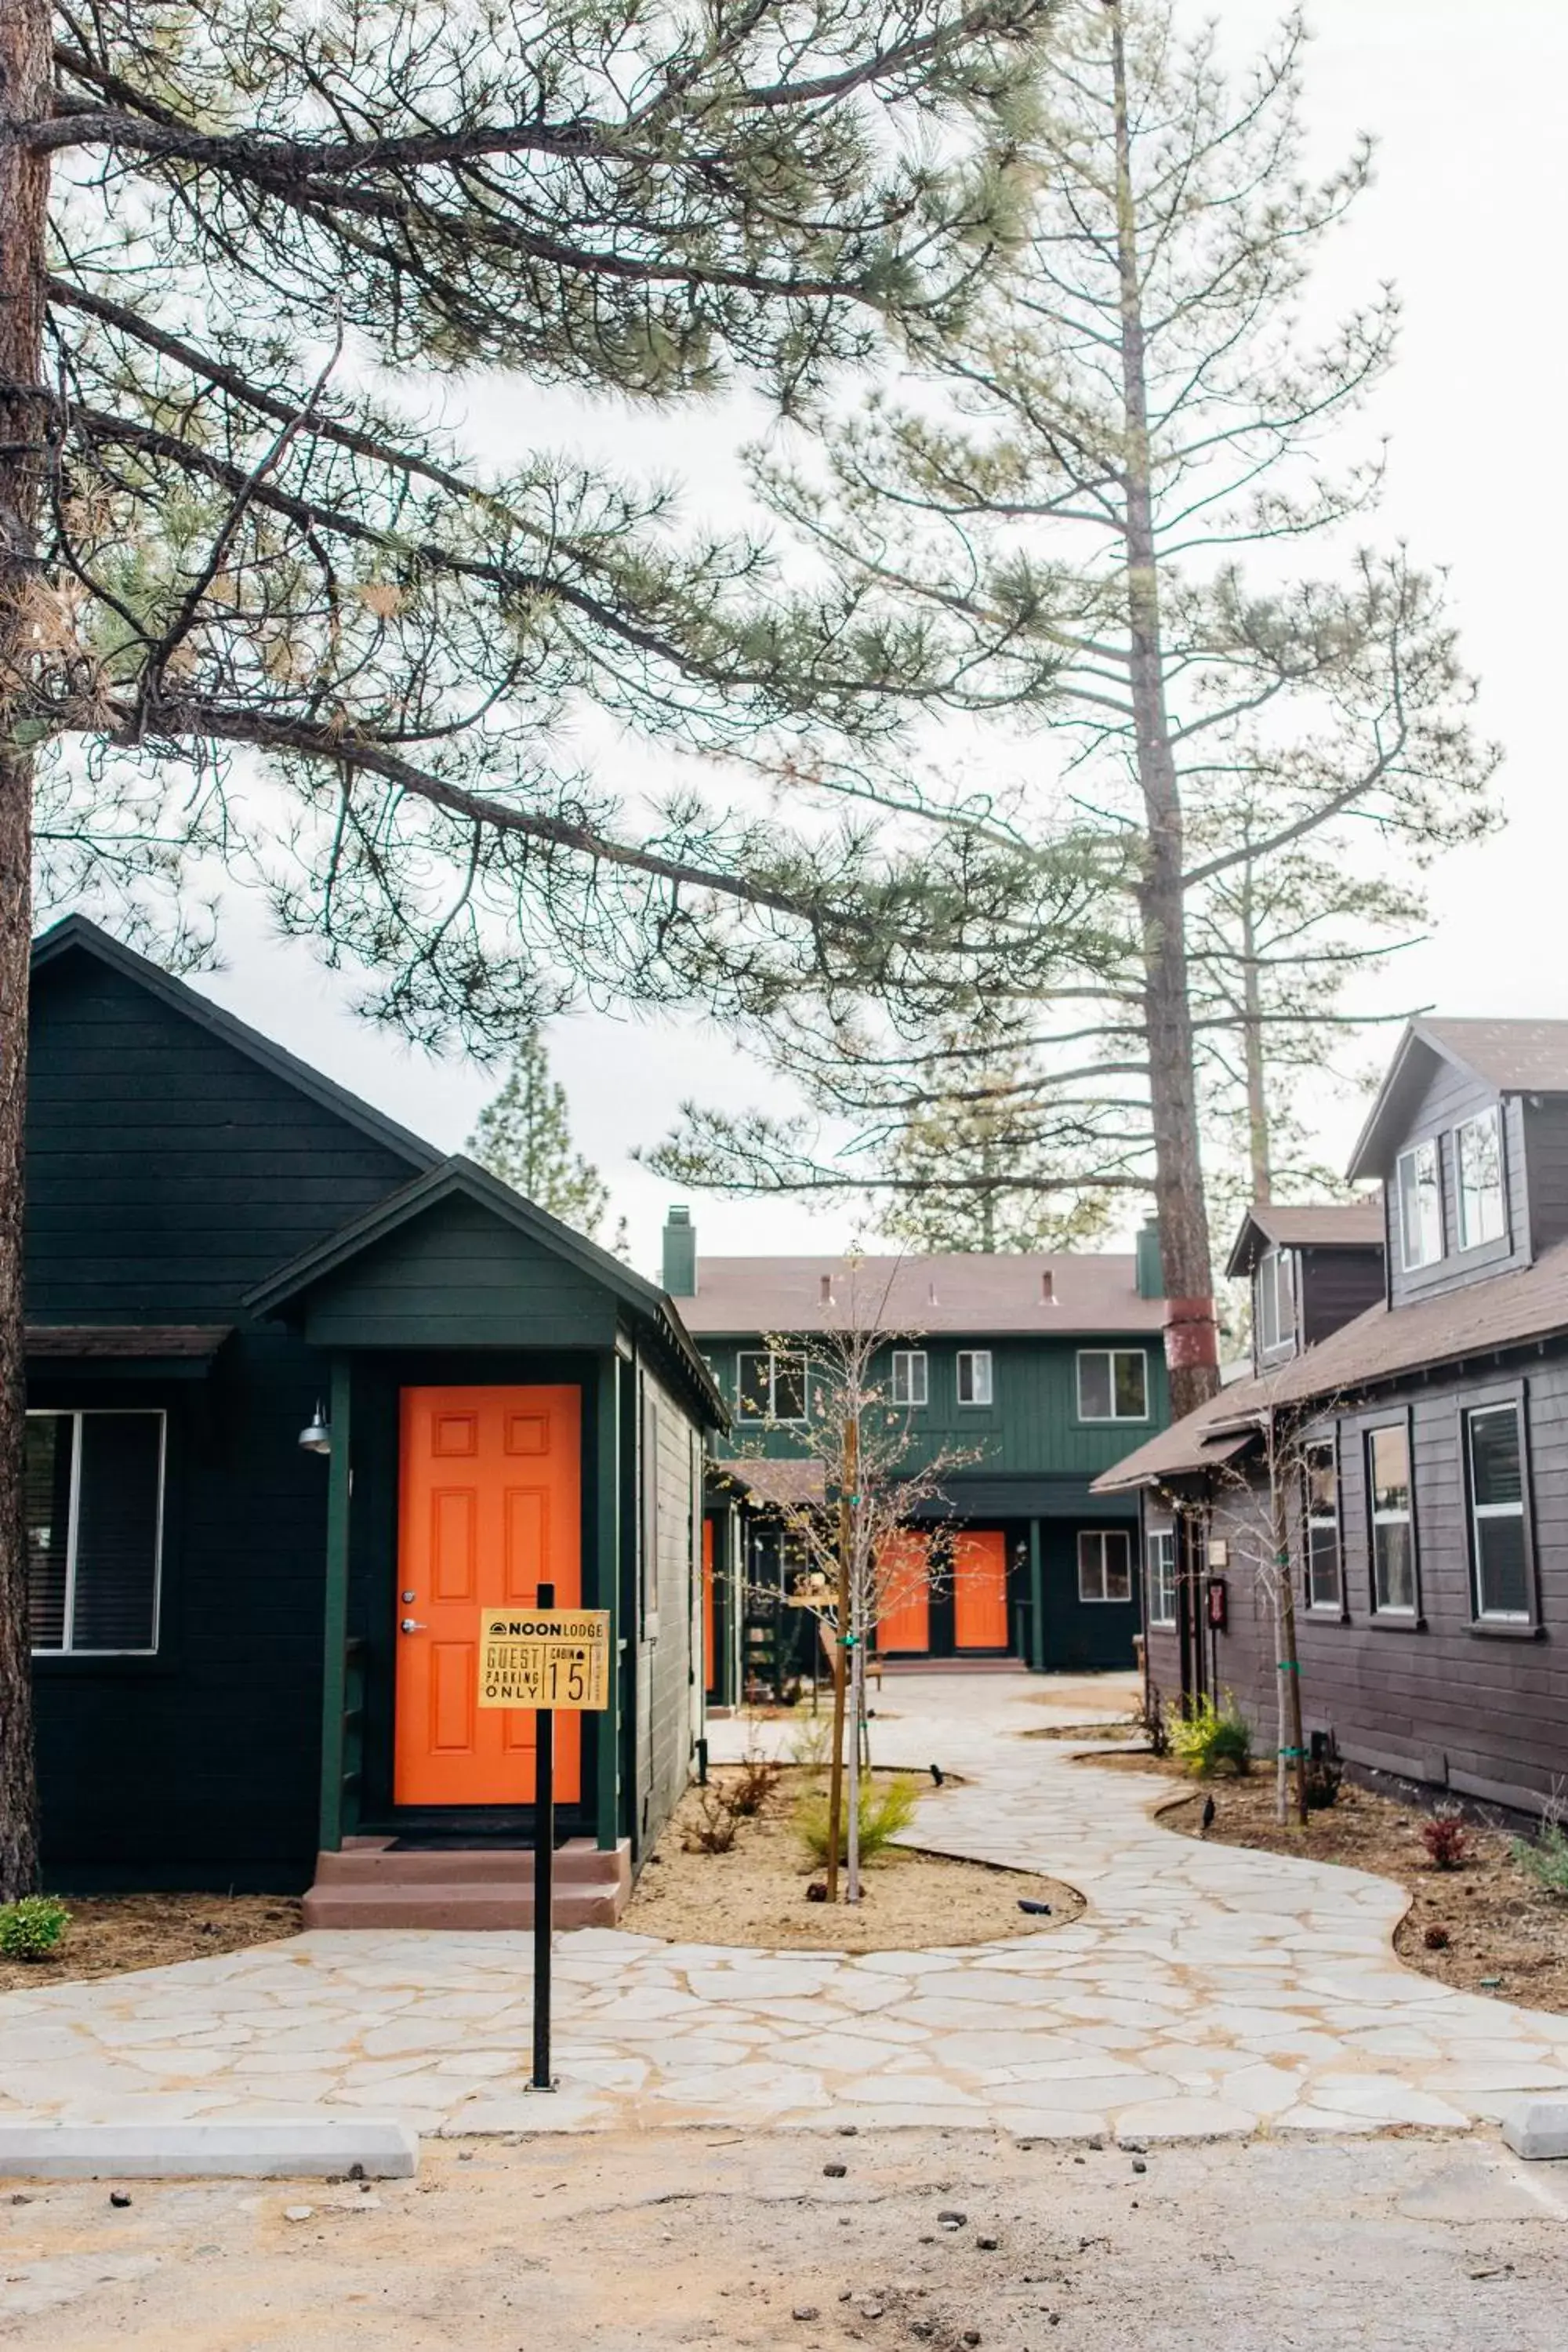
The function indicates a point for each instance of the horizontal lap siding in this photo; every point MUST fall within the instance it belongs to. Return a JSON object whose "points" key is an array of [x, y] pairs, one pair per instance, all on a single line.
{"points": [[1441, 1700], [666, 1664], [1453, 1096], [166, 1174], [459, 1277]]}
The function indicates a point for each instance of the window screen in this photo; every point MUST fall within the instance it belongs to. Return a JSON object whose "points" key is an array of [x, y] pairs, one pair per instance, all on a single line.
{"points": [[1498, 1550]]}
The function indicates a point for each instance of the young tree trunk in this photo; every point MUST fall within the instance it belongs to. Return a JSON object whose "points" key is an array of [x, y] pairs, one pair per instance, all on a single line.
{"points": [[847, 1505], [1259, 1149], [24, 66], [1191, 1339], [1291, 1774], [857, 1717]]}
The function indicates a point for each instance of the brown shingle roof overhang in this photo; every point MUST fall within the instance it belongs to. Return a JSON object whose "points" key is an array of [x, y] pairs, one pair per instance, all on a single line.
{"points": [[956, 1291], [1310, 1224], [1482, 1318]]}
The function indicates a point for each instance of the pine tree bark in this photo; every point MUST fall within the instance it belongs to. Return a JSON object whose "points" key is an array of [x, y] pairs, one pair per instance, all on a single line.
{"points": [[1191, 1347], [24, 97]]}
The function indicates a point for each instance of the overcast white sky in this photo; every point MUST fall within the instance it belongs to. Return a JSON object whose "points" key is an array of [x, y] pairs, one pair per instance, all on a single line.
{"points": [[1470, 218]]}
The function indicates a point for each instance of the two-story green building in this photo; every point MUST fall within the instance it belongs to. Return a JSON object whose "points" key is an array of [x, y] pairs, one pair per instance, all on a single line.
{"points": [[1037, 1369]]}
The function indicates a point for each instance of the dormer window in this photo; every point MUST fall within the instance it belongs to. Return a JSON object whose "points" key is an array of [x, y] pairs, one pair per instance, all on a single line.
{"points": [[1420, 1206], [1277, 1301], [1478, 1150]]}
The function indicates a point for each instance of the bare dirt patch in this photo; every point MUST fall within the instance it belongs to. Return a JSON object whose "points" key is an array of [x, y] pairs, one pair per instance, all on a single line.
{"points": [[1081, 1731], [111, 1933], [1505, 1936], [755, 1895]]}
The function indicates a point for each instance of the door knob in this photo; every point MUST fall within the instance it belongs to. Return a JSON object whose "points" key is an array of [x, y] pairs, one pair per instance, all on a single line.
{"points": [[412, 1625]]}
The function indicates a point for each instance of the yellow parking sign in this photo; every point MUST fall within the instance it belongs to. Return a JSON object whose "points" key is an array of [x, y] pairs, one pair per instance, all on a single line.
{"points": [[557, 1658]]}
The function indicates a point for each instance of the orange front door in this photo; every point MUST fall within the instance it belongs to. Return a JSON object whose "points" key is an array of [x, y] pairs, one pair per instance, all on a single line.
{"points": [[488, 1509], [980, 1590], [904, 1576]]}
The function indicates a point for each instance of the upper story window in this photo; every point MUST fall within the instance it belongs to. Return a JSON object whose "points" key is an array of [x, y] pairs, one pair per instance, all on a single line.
{"points": [[1420, 1182], [910, 1376], [93, 1484], [1325, 1564], [771, 1385], [1392, 1524], [1162, 1577], [1499, 1553], [1113, 1384], [1276, 1300], [974, 1376], [1478, 1154]]}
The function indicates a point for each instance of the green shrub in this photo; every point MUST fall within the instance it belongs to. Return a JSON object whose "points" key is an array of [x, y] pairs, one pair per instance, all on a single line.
{"points": [[1209, 1737], [885, 1807], [30, 1929], [1545, 1858]]}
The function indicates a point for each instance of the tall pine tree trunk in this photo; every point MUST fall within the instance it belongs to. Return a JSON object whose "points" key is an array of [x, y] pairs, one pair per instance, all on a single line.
{"points": [[1191, 1339], [1259, 1150], [25, 64]]}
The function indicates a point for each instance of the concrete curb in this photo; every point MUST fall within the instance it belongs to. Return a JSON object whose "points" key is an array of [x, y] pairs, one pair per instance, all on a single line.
{"points": [[235, 2150], [1537, 2128]]}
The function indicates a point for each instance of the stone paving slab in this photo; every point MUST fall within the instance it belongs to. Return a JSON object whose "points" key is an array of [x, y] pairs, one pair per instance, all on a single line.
{"points": [[1205, 1991]]}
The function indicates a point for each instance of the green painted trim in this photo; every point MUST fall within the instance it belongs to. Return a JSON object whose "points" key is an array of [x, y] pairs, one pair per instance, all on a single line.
{"points": [[1036, 1599], [335, 1628], [606, 1580]]}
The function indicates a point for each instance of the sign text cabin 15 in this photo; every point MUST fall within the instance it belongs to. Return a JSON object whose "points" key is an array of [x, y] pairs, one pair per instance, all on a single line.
{"points": [[557, 1658]]}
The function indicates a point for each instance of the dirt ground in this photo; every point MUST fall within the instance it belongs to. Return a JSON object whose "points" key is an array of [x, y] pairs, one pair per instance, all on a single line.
{"points": [[1504, 1935], [111, 1933], [628, 2243], [756, 1894]]}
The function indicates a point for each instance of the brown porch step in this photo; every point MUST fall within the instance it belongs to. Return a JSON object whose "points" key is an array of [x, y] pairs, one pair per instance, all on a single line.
{"points": [[375, 1883]]}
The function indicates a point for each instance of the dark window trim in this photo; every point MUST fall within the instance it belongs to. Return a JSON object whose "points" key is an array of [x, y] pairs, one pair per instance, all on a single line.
{"points": [[1320, 1614], [1392, 1621], [1500, 1393], [1500, 1243], [140, 1660], [1422, 1265], [1106, 1599]]}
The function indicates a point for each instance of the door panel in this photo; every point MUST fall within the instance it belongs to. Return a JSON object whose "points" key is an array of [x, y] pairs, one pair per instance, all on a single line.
{"points": [[490, 1488], [905, 1577], [980, 1590]]}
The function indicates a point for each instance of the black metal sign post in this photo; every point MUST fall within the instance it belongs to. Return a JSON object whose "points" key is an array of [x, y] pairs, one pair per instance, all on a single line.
{"points": [[543, 1865]]}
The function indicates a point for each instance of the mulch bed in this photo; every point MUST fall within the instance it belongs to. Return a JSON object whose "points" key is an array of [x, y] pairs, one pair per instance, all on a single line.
{"points": [[1505, 1935], [755, 1895], [110, 1934]]}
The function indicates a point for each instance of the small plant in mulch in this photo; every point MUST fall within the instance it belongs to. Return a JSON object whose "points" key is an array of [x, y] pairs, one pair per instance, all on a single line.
{"points": [[714, 1830], [1150, 1718], [1445, 1839], [1437, 1938], [885, 1808], [1544, 1857], [32, 1928], [1325, 1775], [750, 1783], [1210, 1739]]}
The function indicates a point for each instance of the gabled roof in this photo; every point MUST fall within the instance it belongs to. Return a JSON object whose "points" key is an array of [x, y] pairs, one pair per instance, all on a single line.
{"points": [[1511, 1058], [952, 1291], [1314, 1225], [1518, 1309], [461, 1178], [76, 935]]}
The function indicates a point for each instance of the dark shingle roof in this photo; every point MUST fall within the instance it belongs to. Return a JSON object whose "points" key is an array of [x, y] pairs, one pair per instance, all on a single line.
{"points": [[1511, 1058], [1312, 1224], [954, 1291], [1480, 1318]]}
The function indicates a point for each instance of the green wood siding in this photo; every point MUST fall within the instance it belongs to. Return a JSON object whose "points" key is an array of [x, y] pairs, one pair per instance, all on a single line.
{"points": [[1032, 1427], [457, 1277]]}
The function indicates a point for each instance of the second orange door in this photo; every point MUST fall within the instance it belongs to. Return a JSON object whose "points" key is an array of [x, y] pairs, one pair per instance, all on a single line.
{"points": [[980, 1590], [488, 1509]]}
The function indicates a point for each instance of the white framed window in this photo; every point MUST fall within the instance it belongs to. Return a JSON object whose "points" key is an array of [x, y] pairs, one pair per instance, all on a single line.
{"points": [[1277, 1300], [1325, 1558], [1392, 1524], [910, 1376], [1104, 1564], [1162, 1577], [1113, 1384], [771, 1385], [1478, 1160], [1500, 1554], [974, 1376], [1420, 1191], [93, 1487]]}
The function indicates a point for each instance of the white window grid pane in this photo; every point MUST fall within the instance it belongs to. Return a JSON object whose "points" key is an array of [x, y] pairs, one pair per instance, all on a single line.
{"points": [[1420, 1206], [1162, 1578], [909, 1376]]}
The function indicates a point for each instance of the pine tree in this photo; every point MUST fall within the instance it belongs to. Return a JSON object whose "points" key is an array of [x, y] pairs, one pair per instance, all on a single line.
{"points": [[523, 1136]]}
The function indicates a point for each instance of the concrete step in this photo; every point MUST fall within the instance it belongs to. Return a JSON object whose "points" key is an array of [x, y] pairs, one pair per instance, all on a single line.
{"points": [[471, 1904], [375, 1883]]}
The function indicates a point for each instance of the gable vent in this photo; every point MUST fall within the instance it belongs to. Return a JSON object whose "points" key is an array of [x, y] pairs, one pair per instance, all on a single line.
{"points": [[1048, 1288]]}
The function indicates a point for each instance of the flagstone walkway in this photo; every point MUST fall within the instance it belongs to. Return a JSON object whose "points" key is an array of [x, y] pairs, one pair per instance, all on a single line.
{"points": [[1204, 1991]]}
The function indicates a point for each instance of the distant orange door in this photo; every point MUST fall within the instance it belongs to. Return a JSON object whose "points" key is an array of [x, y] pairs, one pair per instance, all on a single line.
{"points": [[903, 1573], [488, 1509], [980, 1590]]}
